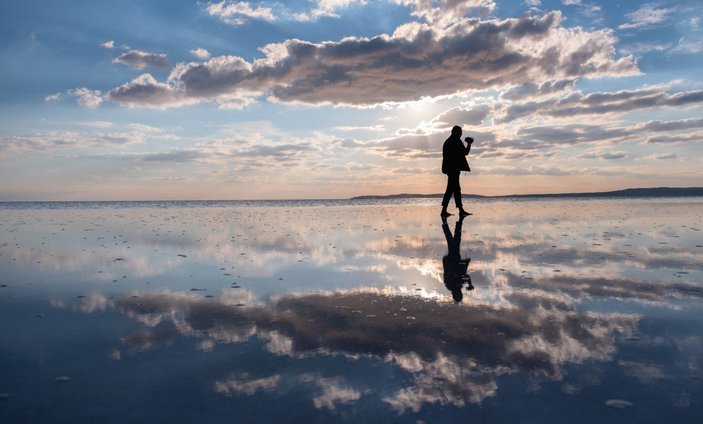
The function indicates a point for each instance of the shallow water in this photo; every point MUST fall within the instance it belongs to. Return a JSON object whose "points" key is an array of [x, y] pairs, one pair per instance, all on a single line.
{"points": [[581, 310]]}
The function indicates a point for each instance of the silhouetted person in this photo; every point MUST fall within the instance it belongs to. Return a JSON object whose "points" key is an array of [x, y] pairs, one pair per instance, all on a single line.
{"points": [[453, 162], [455, 268]]}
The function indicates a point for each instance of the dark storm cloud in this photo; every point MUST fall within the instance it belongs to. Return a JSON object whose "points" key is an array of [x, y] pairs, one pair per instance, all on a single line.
{"points": [[416, 61]]}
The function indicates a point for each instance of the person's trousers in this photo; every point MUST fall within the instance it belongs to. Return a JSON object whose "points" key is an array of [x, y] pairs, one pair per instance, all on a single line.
{"points": [[453, 188]]}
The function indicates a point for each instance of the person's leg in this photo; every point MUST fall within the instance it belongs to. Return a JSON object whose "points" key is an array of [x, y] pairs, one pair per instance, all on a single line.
{"points": [[457, 190], [457, 197], [447, 195]]}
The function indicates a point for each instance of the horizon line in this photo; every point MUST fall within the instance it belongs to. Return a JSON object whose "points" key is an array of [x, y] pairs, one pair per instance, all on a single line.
{"points": [[366, 196]]}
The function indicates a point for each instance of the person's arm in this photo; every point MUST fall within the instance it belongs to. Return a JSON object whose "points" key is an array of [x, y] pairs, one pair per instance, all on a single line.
{"points": [[467, 149]]}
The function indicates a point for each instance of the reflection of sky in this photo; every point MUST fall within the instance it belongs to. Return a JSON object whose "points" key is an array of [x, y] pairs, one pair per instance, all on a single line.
{"points": [[565, 292]]}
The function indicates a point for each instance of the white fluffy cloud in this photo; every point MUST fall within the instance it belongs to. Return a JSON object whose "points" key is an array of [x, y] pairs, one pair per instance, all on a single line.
{"points": [[201, 53], [237, 13], [326, 8], [53, 97], [648, 15], [417, 60], [445, 12], [86, 97]]}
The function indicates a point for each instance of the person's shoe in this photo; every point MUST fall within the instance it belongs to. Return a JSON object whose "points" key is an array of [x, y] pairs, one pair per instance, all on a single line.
{"points": [[445, 213], [464, 213]]}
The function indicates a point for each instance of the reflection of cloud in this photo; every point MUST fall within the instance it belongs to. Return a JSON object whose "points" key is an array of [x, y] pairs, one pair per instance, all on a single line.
{"points": [[94, 302], [148, 340], [242, 386], [645, 373], [444, 381], [334, 392], [453, 352]]}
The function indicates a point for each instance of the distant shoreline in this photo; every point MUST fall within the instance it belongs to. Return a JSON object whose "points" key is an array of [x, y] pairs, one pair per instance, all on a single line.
{"points": [[626, 193], [629, 192]]}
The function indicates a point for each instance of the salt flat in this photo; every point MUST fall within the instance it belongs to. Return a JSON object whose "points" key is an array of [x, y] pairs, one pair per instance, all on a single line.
{"points": [[577, 310]]}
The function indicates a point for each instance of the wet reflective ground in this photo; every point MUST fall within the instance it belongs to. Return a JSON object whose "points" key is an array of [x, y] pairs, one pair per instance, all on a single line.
{"points": [[528, 311]]}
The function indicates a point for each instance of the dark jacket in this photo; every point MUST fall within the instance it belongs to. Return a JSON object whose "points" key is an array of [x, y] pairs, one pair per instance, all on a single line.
{"points": [[454, 155]]}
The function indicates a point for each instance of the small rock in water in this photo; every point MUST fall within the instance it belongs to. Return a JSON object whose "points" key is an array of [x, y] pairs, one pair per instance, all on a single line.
{"points": [[62, 379], [182, 255], [618, 403]]}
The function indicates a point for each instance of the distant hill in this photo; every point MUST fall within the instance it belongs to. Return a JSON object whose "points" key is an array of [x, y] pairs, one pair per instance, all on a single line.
{"points": [[629, 192]]}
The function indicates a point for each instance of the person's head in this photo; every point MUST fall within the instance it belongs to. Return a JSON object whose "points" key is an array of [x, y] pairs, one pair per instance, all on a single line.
{"points": [[456, 131]]}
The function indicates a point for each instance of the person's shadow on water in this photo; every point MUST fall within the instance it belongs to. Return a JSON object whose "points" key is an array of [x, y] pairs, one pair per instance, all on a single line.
{"points": [[455, 269]]}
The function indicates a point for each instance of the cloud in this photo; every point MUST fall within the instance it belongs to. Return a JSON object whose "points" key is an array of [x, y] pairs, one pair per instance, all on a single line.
{"points": [[53, 140], [604, 155], [445, 12], [669, 126], [139, 59], [416, 61], [647, 16], [529, 141], [662, 156], [531, 90], [688, 47], [96, 124], [237, 13], [145, 91], [53, 97], [473, 115], [108, 44], [644, 47], [360, 128], [86, 97], [326, 8], [201, 53], [600, 103]]}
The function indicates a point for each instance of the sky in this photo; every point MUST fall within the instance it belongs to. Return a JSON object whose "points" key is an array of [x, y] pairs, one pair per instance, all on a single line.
{"points": [[184, 99]]}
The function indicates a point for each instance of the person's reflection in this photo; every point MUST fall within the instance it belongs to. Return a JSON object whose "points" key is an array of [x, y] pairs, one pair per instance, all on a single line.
{"points": [[455, 269]]}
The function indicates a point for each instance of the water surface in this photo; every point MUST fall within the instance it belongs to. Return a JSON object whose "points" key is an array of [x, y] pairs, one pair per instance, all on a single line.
{"points": [[568, 310]]}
